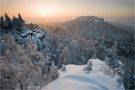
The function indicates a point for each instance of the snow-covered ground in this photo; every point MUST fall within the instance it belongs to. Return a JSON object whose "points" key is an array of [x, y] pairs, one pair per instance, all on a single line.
{"points": [[74, 78]]}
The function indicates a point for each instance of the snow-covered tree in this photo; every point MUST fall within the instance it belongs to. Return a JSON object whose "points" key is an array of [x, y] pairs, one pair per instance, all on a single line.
{"points": [[82, 57], [114, 48], [88, 66], [63, 68], [2, 23], [107, 60], [8, 76], [64, 57], [74, 52], [20, 18], [101, 41], [15, 23], [8, 56], [107, 70], [46, 67], [8, 23], [94, 56], [54, 72], [119, 81], [26, 72], [18, 23], [36, 57]]}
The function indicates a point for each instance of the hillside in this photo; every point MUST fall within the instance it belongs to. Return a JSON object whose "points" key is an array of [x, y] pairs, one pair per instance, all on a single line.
{"points": [[94, 34], [31, 55]]}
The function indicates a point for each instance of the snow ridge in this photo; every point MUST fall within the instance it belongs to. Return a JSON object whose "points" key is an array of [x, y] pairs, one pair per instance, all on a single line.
{"points": [[74, 78]]}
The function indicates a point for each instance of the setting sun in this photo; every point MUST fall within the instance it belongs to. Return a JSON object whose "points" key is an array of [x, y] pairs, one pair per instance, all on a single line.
{"points": [[44, 14], [62, 10]]}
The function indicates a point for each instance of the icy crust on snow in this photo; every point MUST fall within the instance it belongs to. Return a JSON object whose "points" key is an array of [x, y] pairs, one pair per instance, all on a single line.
{"points": [[74, 78]]}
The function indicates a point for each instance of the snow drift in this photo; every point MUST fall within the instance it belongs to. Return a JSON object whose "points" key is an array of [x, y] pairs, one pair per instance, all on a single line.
{"points": [[74, 78]]}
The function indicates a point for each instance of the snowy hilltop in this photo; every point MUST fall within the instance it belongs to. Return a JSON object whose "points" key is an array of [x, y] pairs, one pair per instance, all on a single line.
{"points": [[75, 78]]}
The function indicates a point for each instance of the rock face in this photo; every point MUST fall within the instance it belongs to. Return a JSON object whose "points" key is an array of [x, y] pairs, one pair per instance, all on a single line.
{"points": [[35, 36]]}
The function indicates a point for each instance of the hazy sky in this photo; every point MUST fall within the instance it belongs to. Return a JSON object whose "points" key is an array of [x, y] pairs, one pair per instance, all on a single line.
{"points": [[40, 11]]}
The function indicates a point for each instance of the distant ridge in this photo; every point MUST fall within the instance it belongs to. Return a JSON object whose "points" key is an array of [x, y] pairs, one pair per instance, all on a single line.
{"points": [[89, 19]]}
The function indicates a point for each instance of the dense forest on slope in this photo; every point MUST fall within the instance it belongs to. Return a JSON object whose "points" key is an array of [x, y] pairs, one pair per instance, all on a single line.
{"points": [[112, 44], [31, 55]]}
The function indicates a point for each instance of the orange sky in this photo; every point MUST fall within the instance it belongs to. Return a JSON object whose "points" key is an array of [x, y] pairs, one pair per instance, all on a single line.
{"points": [[42, 11]]}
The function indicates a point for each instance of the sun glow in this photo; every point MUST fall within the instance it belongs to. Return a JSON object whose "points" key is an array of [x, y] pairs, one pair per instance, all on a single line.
{"points": [[44, 14], [38, 11]]}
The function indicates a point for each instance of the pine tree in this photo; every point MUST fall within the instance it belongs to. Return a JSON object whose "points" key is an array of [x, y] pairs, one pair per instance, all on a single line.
{"points": [[54, 72], [20, 22], [88, 66], [63, 68], [74, 51], [8, 23], [94, 56], [20, 17], [2, 23], [8, 56], [119, 81], [64, 57], [8, 74], [15, 23], [114, 48], [107, 60]]}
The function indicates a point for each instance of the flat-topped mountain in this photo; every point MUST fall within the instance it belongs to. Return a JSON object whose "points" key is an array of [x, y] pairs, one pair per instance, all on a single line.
{"points": [[89, 19]]}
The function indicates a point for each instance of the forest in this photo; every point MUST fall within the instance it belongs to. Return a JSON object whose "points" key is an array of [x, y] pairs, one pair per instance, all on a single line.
{"points": [[31, 55]]}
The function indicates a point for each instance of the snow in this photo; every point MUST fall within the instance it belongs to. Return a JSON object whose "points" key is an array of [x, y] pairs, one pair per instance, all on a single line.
{"points": [[74, 78], [26, 32], [96, 21], [39, 35], [34, 35]]}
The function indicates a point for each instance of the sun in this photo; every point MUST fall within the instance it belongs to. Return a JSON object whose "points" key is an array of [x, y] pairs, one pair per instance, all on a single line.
{"points": [[43, 14]]}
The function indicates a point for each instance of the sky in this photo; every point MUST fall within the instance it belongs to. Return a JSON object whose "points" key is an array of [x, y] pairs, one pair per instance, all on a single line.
{"points": [[43, 11]]}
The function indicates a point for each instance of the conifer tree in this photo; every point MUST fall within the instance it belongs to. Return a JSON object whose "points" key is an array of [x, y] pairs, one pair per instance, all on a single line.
{"points": [[54, 71], [2, 23], [64, 56], [8, 23], [20, 21], [63, 68], [114, 48], [14, 23], [94, 56], [88, 66]]}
